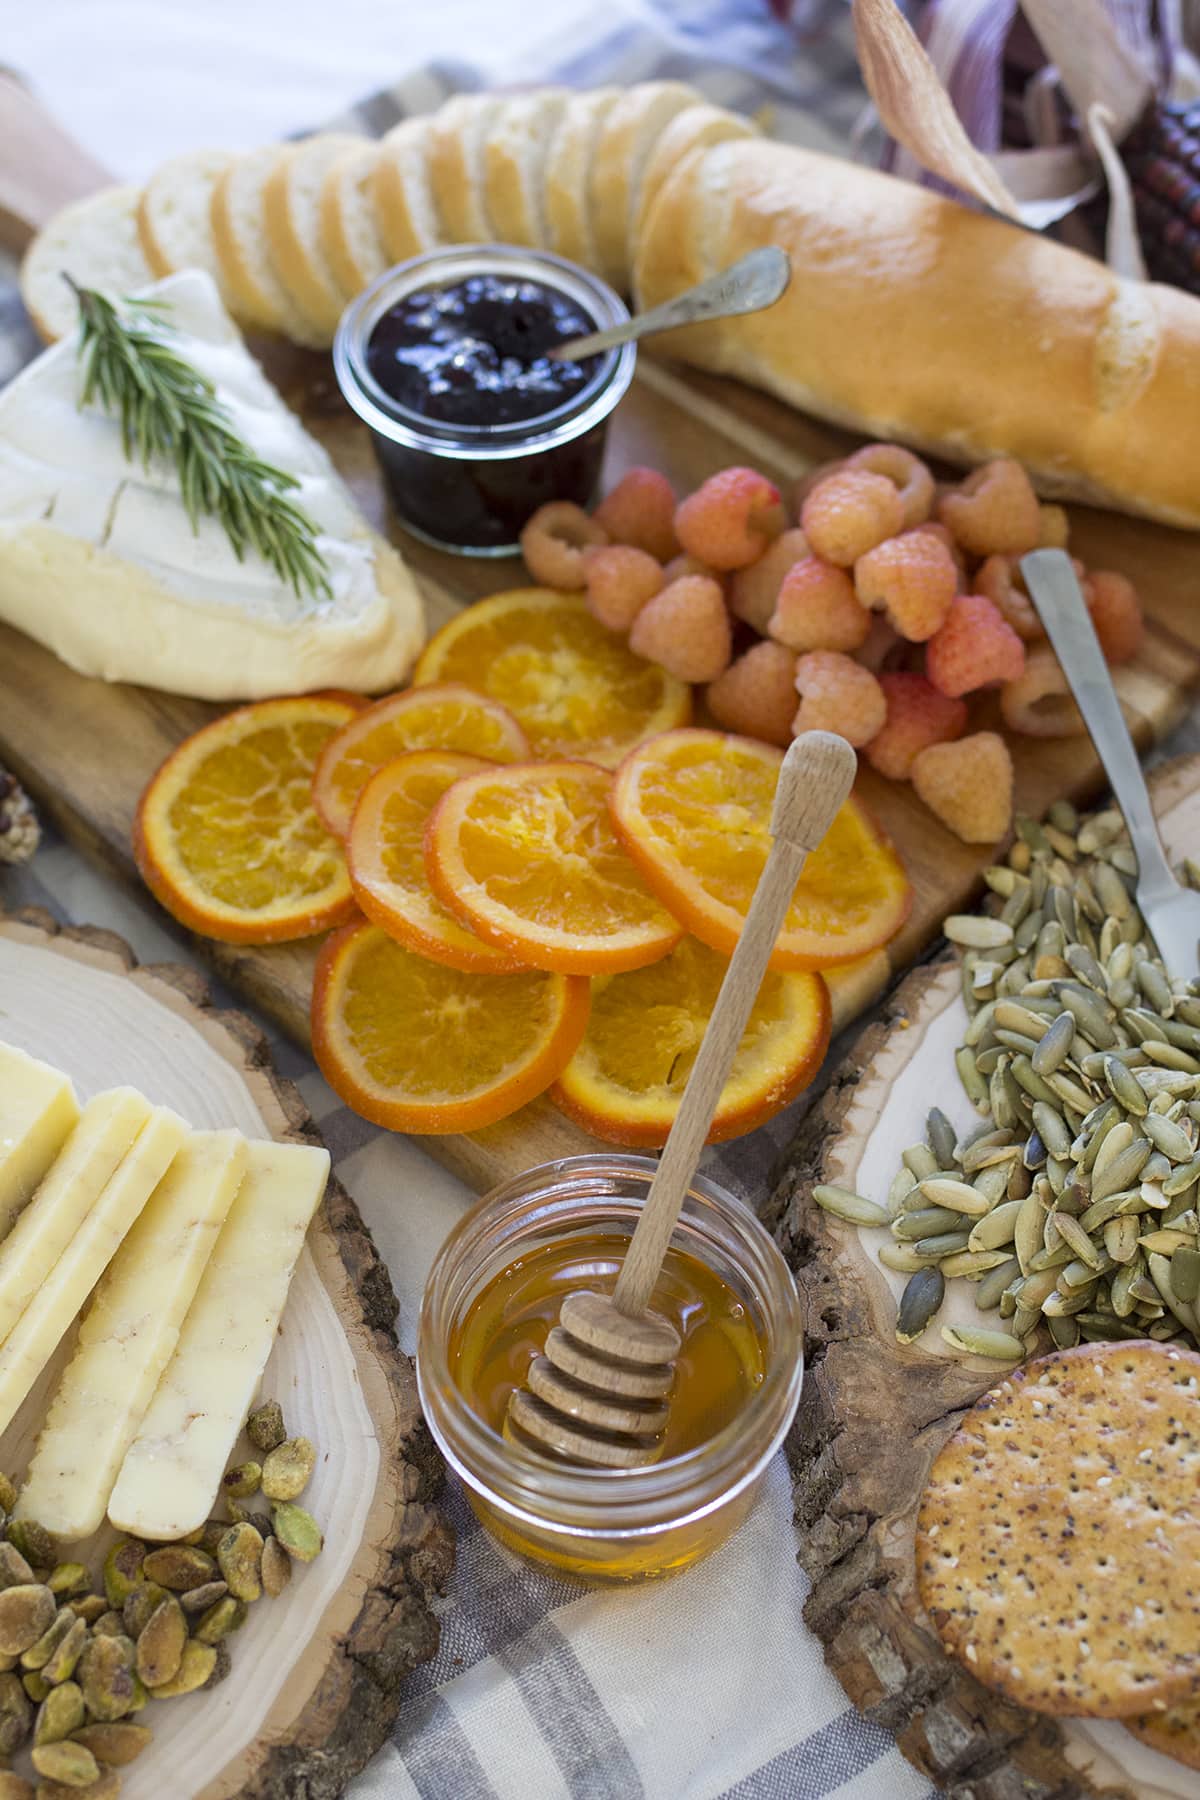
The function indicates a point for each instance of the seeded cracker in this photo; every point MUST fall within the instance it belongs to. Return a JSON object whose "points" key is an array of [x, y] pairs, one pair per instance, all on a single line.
{"points": [[1175, 1732], [1059, 1532]]}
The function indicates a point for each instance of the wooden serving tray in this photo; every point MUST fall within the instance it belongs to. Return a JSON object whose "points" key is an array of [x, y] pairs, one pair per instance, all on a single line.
{"points": [[317, 1672], [874, 1414]]}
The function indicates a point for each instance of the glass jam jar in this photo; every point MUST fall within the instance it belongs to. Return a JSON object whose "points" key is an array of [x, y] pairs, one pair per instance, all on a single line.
{"points": [[609, 1525], [470, 486]]}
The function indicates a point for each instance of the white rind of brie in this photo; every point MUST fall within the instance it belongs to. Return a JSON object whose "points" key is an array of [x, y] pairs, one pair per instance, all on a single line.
{"points": [[99, 560]]}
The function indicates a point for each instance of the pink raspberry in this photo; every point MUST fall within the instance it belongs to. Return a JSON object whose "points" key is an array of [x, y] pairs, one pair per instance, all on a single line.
{"points": [[1054, 527], [932, 528], [968, 785], [908, 474], [1000, 578], [917, 716], [995, 510], [685, 629], [1038, 703], [620, 580], [690, 565], [837, 694], [756, 695], [640, 511], [812, 478], [913, 578], [553, 543], [730, 519], [1116, 613], [973, 649], [754, 590], [850, 512], [817, 609]]}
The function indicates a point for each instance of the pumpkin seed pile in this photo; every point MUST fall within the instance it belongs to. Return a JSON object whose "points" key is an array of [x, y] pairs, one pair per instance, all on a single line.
{"points": [[1074, 1206], [76, 1664]]}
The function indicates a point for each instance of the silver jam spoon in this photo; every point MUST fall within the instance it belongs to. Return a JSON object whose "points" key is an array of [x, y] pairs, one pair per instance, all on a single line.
{"points": [[752, 282], [1171, 911]]}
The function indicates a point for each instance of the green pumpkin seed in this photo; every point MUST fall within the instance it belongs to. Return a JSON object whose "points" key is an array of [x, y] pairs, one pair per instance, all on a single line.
{"points": [[974, 932], [1072, 1233], [1002, 881], [1171, 1139], [1011, 1015], [943, 1243], [974, 1086], [956, 1196], [1169, 1056], [903, 1183], [843, 1204], [1185, 1275], [1166, 1241], [1073, 1097], [972, 1265], [1160, 1274], [996, 1228], [1182, 1179], [1054, 1045], [920, 1300], [927, 1221], [1060, 1306], [1050, 1128], [905, 1259], [941, 1137], [920, 1160], [974, 1340], [994, 1282]]}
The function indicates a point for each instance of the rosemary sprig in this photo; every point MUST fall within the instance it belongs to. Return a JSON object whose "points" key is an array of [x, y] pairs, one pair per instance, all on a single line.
{"points": [[169, 411]]}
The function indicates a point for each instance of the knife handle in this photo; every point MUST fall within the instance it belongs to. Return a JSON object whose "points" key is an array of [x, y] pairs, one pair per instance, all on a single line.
{"points": [[41, 165]]}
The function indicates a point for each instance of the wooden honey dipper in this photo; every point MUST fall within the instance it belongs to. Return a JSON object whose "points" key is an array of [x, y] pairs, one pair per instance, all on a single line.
{"points": [[600, 1393]]}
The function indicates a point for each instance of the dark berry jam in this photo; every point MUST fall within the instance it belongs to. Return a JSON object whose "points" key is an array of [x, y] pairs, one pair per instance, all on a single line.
{"points": [[474, 353]]}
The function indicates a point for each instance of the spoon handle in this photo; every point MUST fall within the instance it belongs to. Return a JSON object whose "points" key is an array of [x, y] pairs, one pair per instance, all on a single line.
{"points": [[1063, 611], [817, 774], [754, 281]]}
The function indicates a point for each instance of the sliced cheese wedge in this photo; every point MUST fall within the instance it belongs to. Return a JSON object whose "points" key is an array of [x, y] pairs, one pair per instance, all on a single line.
{"points": [[128, 1335], [172, 1473], [38, 1109], [106, 1130], [52, 1310]]}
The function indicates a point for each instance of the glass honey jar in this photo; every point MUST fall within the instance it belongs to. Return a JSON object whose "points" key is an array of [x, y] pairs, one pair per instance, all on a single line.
{"points": [[495, 1289]]}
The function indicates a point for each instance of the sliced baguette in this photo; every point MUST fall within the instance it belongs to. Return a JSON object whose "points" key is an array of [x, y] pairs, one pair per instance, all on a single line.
{"points": [[620, 154], [404, 209], [695, 128], [458, 133], [175, 213], [514, 165], [567, 195], [350, 236], [257, 295], [96, 242], [292, 213]]}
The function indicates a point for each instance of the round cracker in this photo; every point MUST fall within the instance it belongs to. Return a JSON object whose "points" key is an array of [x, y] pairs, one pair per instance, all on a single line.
{"points": [[1175, 1732], [1059, 1529]]}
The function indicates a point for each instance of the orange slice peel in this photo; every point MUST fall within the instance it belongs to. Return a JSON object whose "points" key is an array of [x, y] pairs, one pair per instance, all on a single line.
{"points": [[226, 836], [385, 851], [446, 717], [576, 689], [528, 858], [693, 809], [626, 1080], [417, 1047]]}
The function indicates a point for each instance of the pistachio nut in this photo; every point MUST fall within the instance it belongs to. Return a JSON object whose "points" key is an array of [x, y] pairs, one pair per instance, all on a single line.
{"points": [[286, 1471], [239, 1558], [198, 1600], [14, 1570], [106, 1675], [36, 1686], [117, 1744], [299, 1532], [61, 1666], [89, 1607], [107, 1787], [265, 1427], [110, 1624], [180, 1567], [72, 1764], [160, 1645], [14, 1787], [146, 1597], [39, 1653], [34, 1542], [68, 1578], [221, 1667], [195, 1667], [240, 1482], [276, 1569], [8, 1495], [123, 1570], [16, 1715], [226, 1616], [25, 1613], [61, 1713]]}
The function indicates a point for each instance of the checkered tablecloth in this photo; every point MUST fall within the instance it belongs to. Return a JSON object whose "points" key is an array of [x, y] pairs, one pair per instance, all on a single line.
{"points": [[703, 1686]]}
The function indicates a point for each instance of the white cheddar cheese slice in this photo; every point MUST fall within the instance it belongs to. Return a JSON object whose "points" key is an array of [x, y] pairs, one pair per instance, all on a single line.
{"points": [[172, 1473], [41, 1327], [128, 1335], [38, 1109], [107, 1127]]}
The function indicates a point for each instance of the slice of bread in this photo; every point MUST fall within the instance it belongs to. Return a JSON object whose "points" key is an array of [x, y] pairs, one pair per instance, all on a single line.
{"points": [[350, 235], [175, 213], [96, 242], [404, 210], [258, 297], [458, 132], [567, 194], [695, 128], [292, 211], [620, 154], [514, 165]]}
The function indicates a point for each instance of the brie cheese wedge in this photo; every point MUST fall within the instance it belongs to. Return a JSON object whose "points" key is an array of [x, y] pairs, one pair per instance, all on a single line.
{"points": [[100, 562]]}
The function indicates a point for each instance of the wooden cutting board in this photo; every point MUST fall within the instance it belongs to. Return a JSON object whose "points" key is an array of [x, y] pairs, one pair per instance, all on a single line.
{"points": [[86, 750], [874, 1414], [317, 1673]]}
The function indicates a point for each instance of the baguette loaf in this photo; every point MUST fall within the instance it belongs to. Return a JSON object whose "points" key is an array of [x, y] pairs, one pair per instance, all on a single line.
{"points": [[292, 215], [350, 236], [175, 213], [567, 193], [622, 150], [695, 128], [458, 135], [514, 165], [257, 294], [404, 208], [96, 242], [911, 317]]}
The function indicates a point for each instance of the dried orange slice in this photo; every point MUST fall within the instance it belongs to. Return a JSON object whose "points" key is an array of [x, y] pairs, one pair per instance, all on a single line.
{"points": [[386, 854], [226, 836], [449, 717], [625, 1081], [575, 688], [693, 809], [529, 858], [415, 1046]]}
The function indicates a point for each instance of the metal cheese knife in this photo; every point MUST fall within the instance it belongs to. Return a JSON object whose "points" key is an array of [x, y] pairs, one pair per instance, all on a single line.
{"points": [[1171, 911]]}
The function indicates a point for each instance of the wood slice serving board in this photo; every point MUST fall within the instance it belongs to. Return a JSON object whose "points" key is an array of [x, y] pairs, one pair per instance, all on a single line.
{"points": [[874, 1414], [86, 750], [317, 1672]]}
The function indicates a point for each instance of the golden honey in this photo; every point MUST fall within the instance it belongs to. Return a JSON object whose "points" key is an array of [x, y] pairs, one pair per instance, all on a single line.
{"points": [[495, 1290]]}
